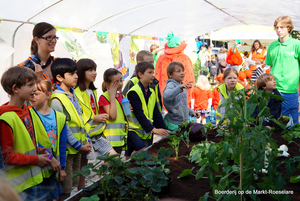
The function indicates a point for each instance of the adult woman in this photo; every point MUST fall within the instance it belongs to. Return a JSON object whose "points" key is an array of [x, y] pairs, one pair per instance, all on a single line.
{"points": [[257, 59], [222, 59], [42, 44]]}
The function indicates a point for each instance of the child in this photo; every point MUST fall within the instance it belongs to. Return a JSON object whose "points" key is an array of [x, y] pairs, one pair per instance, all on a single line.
{"points": [[23, 160], [213, 68], [52, 135], [203, 98], [144, 55], [230, 83], [94, 122], [175, 97], [64, 100], [267, 82], [145, 118], [110, 103]]}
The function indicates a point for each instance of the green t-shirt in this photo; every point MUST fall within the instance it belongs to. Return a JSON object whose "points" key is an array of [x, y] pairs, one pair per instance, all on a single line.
{"points": [[285, 61]]}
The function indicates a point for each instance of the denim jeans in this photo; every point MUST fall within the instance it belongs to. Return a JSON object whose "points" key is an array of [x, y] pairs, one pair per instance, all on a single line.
{"points": [[290, 106]]}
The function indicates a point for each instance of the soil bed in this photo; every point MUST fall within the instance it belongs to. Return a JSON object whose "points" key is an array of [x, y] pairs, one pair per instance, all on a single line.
{"points": [[189, 188]]}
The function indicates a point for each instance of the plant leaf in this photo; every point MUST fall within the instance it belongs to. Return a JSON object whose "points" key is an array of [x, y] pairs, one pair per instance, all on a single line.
{"points": [[185, 173], [295, 179]]}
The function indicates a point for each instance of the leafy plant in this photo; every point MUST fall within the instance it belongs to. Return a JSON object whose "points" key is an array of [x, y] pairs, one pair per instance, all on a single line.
{"points": [[118, 182], [175, 141], [208, 126]]}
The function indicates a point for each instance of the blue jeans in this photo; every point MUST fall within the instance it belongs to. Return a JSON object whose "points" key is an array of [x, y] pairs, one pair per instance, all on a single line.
{"points": [[290, 106]]}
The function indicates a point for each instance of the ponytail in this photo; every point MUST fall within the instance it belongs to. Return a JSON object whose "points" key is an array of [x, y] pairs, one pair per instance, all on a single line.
{"points": [[34, 47], [104, 87]]}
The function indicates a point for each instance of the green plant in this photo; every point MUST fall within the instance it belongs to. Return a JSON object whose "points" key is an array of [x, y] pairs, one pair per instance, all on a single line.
{"points": [[208, 126], [118, 182], [196, 68], [250, 148], [175, 141]]}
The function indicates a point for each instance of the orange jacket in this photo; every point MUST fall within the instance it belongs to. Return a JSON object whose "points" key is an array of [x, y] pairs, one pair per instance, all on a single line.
{"points": [[215, 98], [201, 98], [234, 58], [257, 57]]}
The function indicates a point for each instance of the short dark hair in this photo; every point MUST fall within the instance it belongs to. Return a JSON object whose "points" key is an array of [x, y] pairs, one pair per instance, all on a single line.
{"points": [[82, 66], [142, 67], [61, 66], [16, 75], [172, 67], [140, 55]]}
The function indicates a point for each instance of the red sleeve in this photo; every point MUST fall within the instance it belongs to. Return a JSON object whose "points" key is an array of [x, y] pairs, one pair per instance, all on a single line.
{"points": [[7, 143], [193, 93], [102, 102]]}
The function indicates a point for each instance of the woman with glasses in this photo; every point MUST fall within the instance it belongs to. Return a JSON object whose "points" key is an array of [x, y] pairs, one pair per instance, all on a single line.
{"points": [[42, 44]]}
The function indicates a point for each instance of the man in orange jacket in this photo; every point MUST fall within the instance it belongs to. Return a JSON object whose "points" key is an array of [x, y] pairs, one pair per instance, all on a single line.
{"points": [[234, 58]]}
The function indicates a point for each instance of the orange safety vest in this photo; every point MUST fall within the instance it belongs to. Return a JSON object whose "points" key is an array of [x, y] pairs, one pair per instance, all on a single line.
{"points": [[257, 57]]}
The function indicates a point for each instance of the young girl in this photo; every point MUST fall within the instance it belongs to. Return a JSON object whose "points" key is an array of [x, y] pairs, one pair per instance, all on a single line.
{"points": [[53, 136], [94, 122], [230, 78], [110, 102], [203, 98]]}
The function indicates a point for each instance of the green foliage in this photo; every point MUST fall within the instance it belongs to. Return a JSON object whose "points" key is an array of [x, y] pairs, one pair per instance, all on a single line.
{"points": [[247, 146], [295, 34], [175, 141], [208, 126], [196, 68], [120, 182]]}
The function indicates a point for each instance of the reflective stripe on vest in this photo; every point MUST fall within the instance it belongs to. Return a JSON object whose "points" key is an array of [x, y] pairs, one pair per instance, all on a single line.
{"points": [[87, 112], [75, 123], [21, 177], [257, 57], [134, 125], [116, 130], [44, 139]]}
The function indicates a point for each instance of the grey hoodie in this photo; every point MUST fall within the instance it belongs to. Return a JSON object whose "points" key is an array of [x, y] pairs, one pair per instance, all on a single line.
{"points": [[175, 101]]}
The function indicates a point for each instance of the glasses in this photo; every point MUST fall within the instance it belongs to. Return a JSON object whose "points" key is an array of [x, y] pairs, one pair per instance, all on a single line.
{"points": [[50, 38]]}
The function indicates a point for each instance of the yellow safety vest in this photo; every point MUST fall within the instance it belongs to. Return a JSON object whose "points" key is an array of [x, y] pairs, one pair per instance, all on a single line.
{"points": [[75, 123], [135, 80], [222, 88], [44, 139], [134, 125], [21, 177], [116, 130], [93, 129]]}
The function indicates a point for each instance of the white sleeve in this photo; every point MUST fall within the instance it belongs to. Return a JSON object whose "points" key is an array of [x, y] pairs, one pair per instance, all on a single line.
{"points": [[209, 103]]}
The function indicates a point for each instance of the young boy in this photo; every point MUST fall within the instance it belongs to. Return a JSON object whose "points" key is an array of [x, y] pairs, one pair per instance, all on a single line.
{"points": [[145, 118], [23, 160], [175, 97], [267, 82], [64, 100], [144, 55]]}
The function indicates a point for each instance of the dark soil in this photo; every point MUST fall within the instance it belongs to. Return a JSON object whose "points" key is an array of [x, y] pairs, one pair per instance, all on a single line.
{"points": [[189, 188]]}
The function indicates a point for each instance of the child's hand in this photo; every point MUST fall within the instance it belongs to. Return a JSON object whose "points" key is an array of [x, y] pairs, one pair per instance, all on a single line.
{"points": [[186, 85], [112, 90], [130, 107], [43, 151], [62, 175], [55, 164], [38, 70], [161, 131], [101, 118], [196, 114], [43, 161], [85, 149]]}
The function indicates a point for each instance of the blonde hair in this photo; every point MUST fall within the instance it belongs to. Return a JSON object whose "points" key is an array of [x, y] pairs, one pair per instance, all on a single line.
{"points": [[286, 21], [203, 83]]}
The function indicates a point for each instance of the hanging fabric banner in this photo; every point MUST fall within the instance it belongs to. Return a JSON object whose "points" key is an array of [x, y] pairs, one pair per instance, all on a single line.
{"points": [[102, 37]]}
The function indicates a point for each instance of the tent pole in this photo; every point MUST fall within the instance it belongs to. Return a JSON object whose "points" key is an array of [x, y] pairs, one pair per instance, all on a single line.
{"points": [[13, 43]]}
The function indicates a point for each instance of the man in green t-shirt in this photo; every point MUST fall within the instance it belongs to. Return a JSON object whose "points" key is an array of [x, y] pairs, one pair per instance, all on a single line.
{"points": [[284, 58]]}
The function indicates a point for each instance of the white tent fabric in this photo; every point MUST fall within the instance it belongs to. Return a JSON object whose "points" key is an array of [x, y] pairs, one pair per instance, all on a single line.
{"points": [[155, 18]]}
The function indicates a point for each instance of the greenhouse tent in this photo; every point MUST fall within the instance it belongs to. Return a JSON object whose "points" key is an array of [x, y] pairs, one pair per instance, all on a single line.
{"points": [[152, 18]]}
